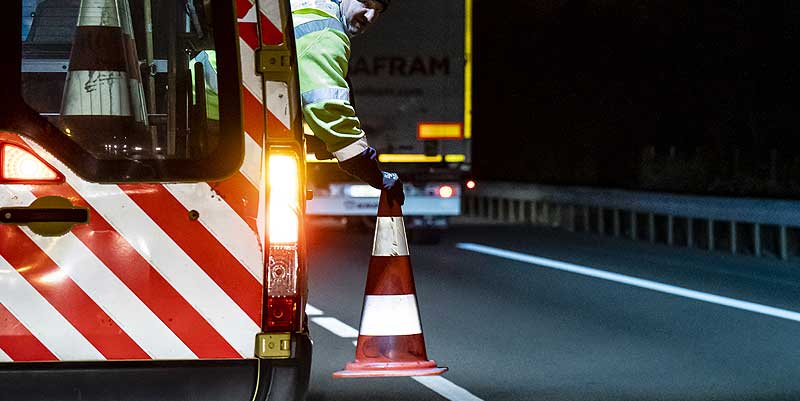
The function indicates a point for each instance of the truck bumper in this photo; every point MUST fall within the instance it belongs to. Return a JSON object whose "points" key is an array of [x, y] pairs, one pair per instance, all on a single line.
{"points": [[197, 380]]}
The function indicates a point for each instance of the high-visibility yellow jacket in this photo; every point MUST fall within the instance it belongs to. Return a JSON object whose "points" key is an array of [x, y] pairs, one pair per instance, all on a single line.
{"points": [[323, 53], [208, 60]]}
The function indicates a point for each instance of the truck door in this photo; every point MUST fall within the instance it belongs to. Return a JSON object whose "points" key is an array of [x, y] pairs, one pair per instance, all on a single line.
{"points": [[134, 203]]}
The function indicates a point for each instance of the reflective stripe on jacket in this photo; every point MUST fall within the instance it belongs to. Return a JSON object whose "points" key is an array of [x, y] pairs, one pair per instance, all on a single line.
{"points": [[323, 53]]}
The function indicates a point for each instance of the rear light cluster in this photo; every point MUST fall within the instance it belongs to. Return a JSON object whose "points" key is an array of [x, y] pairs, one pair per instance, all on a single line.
{"points": [[282, 307], [20, 166]]}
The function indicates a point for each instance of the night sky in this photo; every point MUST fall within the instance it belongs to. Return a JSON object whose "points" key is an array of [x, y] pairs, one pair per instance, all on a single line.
{"points": [[680, 96]]}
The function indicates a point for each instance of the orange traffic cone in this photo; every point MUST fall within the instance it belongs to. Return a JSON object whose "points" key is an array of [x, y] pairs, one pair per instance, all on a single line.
{"points": [[132, 58], [96, 108], [390, 341]]}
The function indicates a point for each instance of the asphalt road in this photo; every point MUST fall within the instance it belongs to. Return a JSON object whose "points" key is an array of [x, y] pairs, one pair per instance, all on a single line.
{"points": [[526, 329]]}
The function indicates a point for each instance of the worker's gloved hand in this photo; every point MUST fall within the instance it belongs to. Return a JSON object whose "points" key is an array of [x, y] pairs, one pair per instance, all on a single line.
{"points": [[364, 166], [315, 146], [394, 188]]}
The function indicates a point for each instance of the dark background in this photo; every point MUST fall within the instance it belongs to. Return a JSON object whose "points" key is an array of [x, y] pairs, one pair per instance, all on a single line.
{"points": [[668, 95]]}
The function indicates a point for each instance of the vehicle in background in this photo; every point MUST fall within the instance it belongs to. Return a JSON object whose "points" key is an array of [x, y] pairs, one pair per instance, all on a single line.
{"points": [[413, 96], [151, 248]]}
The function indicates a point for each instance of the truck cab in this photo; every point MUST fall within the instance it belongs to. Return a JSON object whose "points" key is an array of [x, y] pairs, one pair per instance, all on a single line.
{"points": [[151, 237]]}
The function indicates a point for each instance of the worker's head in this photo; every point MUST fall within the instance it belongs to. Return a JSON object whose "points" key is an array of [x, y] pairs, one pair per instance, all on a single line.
{"points": [[361, 14]]}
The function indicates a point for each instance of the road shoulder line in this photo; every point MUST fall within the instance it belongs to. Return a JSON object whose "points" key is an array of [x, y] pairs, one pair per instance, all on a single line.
{"points": [[633, 281]]}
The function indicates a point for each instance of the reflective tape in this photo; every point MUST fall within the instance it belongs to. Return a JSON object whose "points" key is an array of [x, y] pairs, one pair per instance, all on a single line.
{"points": [[316, 26], [41, 318], [4, 357], [97, 93], [390, 237], [390, 315], [325, 94], [351, 150], [99, 13]]}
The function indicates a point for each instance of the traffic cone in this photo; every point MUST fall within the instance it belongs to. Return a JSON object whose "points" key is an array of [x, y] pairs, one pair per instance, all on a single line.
{"points": [[134, 73], [390, 341], [96, 106]]}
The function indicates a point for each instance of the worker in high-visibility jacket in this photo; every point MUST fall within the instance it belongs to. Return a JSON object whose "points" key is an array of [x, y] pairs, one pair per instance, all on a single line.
{"points": [[323, 29]]}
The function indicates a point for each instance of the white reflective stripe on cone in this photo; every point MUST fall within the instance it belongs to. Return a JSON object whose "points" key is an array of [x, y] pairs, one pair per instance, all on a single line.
{"points": [[390, 237], [390, 315], [99, 13], [97, 93], [52, 329]]}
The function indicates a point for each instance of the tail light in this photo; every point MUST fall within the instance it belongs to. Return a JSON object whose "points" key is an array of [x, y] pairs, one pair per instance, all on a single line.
{"points": [[283, 303], [446, 191], [21, 166], [471, 184]]}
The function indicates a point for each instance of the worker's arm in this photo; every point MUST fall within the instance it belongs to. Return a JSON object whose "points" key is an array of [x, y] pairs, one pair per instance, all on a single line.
{"points": [[322, 61]]}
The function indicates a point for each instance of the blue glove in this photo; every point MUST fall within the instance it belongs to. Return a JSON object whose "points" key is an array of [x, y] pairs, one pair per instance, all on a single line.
{"points": [[364, 166], [394, 188]]}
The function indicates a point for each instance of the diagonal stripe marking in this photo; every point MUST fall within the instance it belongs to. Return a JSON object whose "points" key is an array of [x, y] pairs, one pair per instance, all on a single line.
{"points": [[143, 280], [4, 357], [41, 318], [108, 292], [19, 341], [223, 223], [169, 260], [633, 281]]}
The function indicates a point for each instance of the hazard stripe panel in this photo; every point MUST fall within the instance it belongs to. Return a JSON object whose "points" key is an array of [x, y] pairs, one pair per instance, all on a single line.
{"points": [[168, 259], [21, 344], [54, 283], [40, 317], [5, 357], [223, 223], [143, 280], [105, 289]]}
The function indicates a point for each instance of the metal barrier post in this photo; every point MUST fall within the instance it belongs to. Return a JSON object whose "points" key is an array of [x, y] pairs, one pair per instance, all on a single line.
{"points": [[782, 243], [633, 225], [651, 228], [757, 239], [689, 232], [733, 237], [710, 233], [670, 225], [601, 226]]}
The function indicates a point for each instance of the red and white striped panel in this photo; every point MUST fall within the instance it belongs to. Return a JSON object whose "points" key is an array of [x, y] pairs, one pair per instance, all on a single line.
{"points": [[142, 280]]}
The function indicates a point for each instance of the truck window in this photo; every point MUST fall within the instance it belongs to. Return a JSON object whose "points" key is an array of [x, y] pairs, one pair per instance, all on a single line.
{"points": [[147, 90]]}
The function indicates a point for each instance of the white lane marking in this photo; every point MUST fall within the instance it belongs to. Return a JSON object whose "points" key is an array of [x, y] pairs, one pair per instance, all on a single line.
{"points": [[4, 357], [312, 311], [40, 318], [336, 326], [446, 388], [170, 260], [438, 384], [390, 315], [217, 216], [636, 282]]}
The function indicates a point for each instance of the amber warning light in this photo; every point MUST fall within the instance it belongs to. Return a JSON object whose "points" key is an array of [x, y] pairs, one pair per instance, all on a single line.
{"points": [[20, 166]]}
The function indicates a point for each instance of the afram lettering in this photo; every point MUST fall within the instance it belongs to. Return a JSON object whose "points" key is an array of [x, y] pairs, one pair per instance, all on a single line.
{"points": [[402, 66]]}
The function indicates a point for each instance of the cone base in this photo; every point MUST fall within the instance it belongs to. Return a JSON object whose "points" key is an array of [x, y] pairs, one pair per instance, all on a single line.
{"points": [[389, 369]]}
